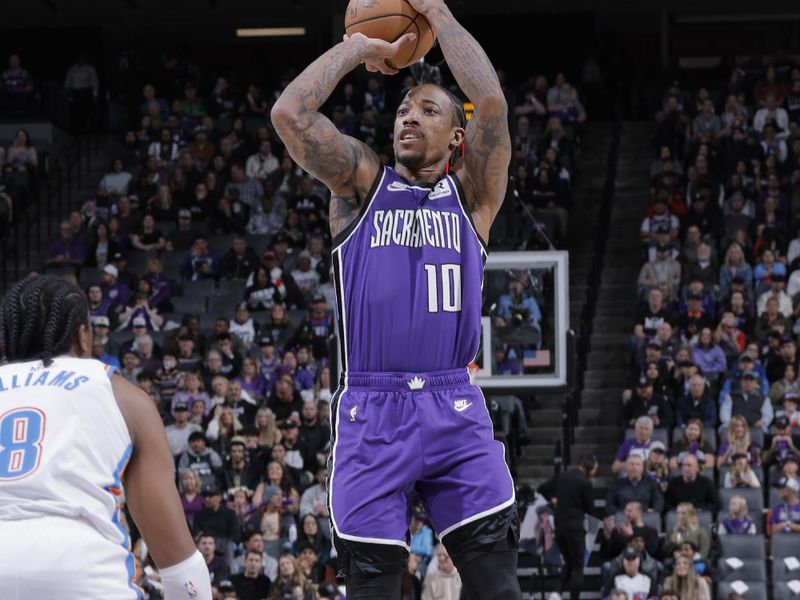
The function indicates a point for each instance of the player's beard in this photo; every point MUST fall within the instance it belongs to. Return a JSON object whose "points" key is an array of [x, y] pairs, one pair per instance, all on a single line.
{"points": [[411, 160]]}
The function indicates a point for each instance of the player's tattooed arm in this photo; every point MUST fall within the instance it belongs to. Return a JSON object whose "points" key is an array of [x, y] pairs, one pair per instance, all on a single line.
{"points": [[487, 143], [346, 165]]}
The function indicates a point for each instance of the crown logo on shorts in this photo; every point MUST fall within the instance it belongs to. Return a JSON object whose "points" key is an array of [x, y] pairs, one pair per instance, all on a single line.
{"points": [[415, 383]]}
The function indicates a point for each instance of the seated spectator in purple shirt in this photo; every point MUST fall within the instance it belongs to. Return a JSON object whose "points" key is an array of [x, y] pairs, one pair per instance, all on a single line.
{"points": [[160, 284], [738, 520], [66, 251], [99, 305], [708, 355], [641, 443], [505, 365], [192, 392], [785, 517], [251, 379], [189, 490], [117, 293]]}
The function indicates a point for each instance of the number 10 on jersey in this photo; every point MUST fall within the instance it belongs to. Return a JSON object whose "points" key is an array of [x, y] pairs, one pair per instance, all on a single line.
{"points": [[450, 277], [21, 433]]}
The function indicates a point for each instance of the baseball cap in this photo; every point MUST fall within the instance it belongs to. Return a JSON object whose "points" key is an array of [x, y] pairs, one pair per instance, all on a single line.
{"points": [[181, 406], [317, 298], [654, 343], [749, 375], [101, 321], [139, 322], [662, 247], [117, 257], [269, 254], [777, 277], [237, 439], [111, 270], [745, 357], [793, 396], [693, 296], [266, 341], [643, 382], [630, 553], [657, 446], [226, 586], [788, 482], [304, 254], [211, 489], [184, 213], [280, 238], [781, 421], [787, 339]]}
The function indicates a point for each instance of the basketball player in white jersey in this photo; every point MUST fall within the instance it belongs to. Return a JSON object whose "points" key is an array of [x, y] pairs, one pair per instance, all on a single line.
{"points": [[72, 433]]}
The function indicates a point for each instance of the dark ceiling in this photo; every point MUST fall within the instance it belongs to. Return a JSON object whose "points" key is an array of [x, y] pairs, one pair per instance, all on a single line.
{"points": [[60, 13]]}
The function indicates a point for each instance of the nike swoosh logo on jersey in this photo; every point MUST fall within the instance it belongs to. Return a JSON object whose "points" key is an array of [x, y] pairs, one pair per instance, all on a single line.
{"points": [[397, 186]]}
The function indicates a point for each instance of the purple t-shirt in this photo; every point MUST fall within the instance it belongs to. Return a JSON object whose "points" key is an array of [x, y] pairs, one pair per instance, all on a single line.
{"points": [[632, 444], [785, 512]]}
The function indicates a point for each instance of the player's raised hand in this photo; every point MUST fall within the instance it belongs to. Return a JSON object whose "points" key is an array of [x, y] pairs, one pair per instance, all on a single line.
{"points": [[375, 52]]}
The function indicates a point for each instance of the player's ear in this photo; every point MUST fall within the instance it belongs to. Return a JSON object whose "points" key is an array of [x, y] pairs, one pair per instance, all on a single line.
{"points": [[456, 138]]}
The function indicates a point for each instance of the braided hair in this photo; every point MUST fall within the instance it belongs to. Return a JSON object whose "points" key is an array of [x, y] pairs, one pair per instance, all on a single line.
{"points": [[39, 317]]}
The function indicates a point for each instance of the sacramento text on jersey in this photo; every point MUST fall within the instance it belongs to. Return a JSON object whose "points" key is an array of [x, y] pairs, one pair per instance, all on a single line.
{"points": [[416, 228]]}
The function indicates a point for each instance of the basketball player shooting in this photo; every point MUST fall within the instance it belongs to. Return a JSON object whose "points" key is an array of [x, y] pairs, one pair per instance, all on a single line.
{"points": [[408, 254], [72, 430]]}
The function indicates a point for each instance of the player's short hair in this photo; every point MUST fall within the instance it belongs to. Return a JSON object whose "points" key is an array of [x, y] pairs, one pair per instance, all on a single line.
{"points": [[459, 116], [39, 317]]}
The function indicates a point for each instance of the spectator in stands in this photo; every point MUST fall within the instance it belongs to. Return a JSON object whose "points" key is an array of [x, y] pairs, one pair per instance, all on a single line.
{"points": [[687, 529], [786, 357], [201, 262], [730, 338], [692, 442], [708, 355], [631, 581], [217, 566], [148, 238], [218, 520], [785, 518], [777, 292], [771, 112], [238, 262], [291, 583], [790, 402], [750, 403], [189, 487], [645, 403], [696, 405], [707, 124], [306, 278], [200, 458], [639, 444], [740, 474], [249, 189], [67, 252], [737, 442], [181, 239], [691, 487], [738, 520], [165, 150], [262, 165], [634, 486], [115, 292], [444, 583], [117, 180], [782, 444], [17, 87], [263, 293], [686, 582], [664, 269], [179, 431]]}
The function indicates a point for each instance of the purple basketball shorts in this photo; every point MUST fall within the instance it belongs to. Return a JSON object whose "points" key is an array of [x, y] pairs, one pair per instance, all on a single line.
{"points": [[395, 433]]}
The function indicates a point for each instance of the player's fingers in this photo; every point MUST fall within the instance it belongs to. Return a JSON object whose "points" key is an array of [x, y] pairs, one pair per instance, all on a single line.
{"points": [[401, 41], [387, 69]]}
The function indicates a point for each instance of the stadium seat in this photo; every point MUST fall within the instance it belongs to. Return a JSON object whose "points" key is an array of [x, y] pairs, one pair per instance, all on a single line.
{"points": [[752, 569], [189, 304], [158, 337], [755, 590], [120, 337], [259, 243], [208, 320], [223, 306], [170, 261], [709, 436], [221, 242], [90, 276], [782, 591], [785, 544], [231, 288], [198, 289], [755, 498], [137, 261], [774, 499], [703, 516], [742, 546]]}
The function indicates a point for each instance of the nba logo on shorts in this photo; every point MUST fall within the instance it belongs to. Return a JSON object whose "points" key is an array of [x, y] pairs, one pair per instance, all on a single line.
{"points": [[191, 591]]}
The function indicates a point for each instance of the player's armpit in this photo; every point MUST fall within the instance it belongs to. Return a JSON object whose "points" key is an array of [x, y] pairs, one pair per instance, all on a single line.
{"points": [[150, 490]]}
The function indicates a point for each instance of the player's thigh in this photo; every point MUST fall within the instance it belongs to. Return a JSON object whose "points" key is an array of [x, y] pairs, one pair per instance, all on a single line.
{"points": [[55, 558], [466, 476], [373, 465]]}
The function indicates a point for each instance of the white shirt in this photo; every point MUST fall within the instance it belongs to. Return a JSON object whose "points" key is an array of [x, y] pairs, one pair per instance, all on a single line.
{"points": [[632, 585], [260, 167], [780, 116], [784, 303], [81, 77]]}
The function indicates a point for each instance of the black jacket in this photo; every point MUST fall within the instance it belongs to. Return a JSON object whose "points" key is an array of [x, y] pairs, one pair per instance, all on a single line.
{"points": [[573, 492]]}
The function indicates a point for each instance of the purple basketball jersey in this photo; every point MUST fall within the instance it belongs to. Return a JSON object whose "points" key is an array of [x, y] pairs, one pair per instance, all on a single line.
{"points": [[409, 275]]}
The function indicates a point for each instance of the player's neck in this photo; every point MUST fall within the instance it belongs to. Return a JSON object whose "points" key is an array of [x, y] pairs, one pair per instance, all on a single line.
{"points": [[428, 174]]}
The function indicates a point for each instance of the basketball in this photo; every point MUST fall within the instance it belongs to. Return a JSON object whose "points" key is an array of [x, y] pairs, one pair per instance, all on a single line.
{"points": [[388, 20]]}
